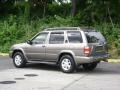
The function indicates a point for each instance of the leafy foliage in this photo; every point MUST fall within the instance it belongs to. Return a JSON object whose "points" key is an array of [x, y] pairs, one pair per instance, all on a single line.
{"points": [[21, 19]]}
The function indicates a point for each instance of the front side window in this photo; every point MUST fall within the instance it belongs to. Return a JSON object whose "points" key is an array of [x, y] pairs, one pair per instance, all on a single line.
{"points": [[74, 37], [40, 38], [56, 38]]}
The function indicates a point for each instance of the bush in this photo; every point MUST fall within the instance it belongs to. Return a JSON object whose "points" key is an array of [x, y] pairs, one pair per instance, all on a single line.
{"points": [[112, 34], [16, 29]]}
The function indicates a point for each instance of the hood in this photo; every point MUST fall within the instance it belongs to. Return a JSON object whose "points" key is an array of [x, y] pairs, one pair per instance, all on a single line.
{"points": [[21, 45]]}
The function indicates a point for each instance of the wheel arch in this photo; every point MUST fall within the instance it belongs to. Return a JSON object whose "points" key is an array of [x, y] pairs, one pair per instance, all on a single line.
{"points": [[19, 50], [66, 53]]}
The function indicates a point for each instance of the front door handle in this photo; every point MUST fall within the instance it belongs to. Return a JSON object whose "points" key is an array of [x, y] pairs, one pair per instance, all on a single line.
{"points": [[43, 45]]}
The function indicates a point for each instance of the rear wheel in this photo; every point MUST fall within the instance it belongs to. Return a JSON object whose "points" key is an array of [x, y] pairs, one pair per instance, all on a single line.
{"points": [[67, 64], [90, 66], [19, 60]]}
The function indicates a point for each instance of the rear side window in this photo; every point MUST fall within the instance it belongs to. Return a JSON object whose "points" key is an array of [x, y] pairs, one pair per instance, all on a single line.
{"points": [[56, 38], [74, 37], [95, 37]]}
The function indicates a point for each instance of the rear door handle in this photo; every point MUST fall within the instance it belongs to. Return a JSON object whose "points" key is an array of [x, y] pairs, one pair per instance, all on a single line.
{"points": [[43, 45]]}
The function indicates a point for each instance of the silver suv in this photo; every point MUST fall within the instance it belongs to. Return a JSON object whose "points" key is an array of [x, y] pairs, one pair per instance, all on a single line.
{"points": [[67, 47]]}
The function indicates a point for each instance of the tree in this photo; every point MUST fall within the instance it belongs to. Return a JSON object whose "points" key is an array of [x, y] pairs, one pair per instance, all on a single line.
{"points": [[73, 10], [6, 5], [41, 3]]}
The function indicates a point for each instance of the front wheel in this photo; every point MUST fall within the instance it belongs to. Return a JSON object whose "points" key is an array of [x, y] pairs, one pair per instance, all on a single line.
{"points": [[90, 66], [19, 60], [67, 64]]}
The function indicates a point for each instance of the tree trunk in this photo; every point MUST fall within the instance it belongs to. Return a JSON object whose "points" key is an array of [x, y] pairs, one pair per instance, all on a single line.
{"points": [[74, 4], [44, 8]]}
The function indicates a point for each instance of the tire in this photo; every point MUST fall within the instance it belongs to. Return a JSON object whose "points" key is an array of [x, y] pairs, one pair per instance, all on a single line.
{"points": [[67, 64], [19, 60], [89, 66]]}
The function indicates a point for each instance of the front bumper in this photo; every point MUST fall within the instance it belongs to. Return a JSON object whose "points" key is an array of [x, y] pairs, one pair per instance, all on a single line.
{"points": [[81, 59]]}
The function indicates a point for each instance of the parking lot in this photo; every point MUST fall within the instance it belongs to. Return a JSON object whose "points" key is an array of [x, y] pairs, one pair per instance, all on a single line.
{"points": [[48, 77]]}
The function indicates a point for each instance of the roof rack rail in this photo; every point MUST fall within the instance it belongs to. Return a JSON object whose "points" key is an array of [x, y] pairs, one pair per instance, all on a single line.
{"points": [[88, 29], [62, 28]]}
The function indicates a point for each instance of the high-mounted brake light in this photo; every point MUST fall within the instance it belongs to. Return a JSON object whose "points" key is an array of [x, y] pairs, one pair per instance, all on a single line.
{"points": [[87, 50]]}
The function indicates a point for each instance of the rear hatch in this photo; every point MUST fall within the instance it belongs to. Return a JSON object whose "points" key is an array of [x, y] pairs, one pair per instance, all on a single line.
{"points": [[97, 43]]}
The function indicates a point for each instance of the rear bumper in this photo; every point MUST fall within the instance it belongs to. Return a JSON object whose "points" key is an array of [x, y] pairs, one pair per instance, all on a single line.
{"points": [[81, 60]]}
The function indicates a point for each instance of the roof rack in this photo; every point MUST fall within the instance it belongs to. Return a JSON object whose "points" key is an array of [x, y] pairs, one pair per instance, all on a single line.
{"points": [[88, 29], [62, 28]]}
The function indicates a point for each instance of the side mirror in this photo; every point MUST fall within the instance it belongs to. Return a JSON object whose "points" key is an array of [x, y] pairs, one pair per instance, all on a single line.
{"points": [[29, 42]]}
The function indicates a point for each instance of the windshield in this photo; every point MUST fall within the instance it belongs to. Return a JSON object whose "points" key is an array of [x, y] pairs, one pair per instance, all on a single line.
{"points": [[95, 37]]}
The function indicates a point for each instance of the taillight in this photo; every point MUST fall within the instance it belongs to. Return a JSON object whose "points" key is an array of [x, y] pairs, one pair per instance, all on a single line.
{"points": [[87, 50]]}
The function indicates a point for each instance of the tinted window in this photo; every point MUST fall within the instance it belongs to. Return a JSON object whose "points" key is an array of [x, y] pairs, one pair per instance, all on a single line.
{"points": [[95, 37], [74, 37], [56, 38], [40, 39]]}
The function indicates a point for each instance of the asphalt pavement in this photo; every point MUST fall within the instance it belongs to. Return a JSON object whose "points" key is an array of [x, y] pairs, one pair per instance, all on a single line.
{"points": [[49, 77]]}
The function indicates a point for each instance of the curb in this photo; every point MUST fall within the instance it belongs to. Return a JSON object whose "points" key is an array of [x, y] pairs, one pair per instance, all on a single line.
{"points": [[114, 60], [4, 54]]}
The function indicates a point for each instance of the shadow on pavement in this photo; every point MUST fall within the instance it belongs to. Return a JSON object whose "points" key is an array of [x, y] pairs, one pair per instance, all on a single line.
{"points": [[104, 68], [99, 71], [42, 66]]}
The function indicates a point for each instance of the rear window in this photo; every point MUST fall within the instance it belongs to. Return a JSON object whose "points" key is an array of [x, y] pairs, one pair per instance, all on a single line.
{"points": [[95, 37]]}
